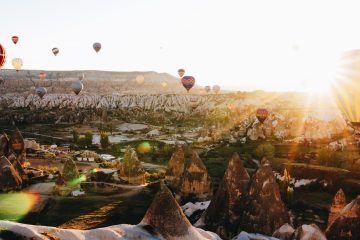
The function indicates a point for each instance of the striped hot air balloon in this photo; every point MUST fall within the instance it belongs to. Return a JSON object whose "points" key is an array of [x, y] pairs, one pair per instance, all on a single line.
{"points": [[262, 114], [2, 56], [188, 82]]}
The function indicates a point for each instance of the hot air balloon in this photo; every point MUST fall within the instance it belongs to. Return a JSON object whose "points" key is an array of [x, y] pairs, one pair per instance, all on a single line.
{"points": [[15, 39], [140, 79], [77, 86], [262, 114], [55, 51], [97, 47], [40, 91], [207, 89], [346, 88], [216, 89], [164, 84], [17, 63], [181, 72], [2, 56], [188, 82], [42, 75]]}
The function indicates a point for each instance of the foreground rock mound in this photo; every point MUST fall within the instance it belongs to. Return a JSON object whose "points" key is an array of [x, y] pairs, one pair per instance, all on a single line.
{"points": [[265, 211], [339, 202], [226, 207], [347, 223], [309, 232], [175, 167], [9, 177]]}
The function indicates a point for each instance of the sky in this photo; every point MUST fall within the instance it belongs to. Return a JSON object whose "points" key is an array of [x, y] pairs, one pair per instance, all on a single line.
{"points": [[270, 45]]}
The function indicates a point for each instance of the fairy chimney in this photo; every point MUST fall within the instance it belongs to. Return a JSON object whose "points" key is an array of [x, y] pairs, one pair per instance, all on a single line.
{"points": [[339, 202], [131, 169], [4, 145], [175, 167]]}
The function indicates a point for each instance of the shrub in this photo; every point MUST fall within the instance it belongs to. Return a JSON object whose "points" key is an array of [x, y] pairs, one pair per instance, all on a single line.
{"points": [[75, 135], [88, 138], [264, 150], [104, 140]]}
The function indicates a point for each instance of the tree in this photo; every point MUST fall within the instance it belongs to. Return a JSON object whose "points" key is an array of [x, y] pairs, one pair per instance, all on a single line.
{"points": [[88, 138], [265, 150], [104, 140], [75, 135]]}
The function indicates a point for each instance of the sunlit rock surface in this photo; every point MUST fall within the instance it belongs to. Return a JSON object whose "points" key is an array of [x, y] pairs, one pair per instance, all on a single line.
{"points": [[131, 169], [175, 167], [339, 202], [309, 232], [9, 177]]}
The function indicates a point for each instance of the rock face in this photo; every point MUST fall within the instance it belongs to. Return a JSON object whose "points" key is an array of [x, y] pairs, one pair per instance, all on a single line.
{"points": [[9, 177], [309, 232], [339, 202], [175, 167], [4, 145], [17, 144], [131, 169], [264, 211], [285, 232], [195, 180], [347, 224], [226, 206]]}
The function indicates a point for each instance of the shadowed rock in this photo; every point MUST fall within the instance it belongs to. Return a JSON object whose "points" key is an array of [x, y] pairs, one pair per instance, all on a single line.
{"points": [[347, 223], [195, 180], [166, 216], [339, 202], [17, 144], [226, 206], [175, 167], [19, 168], [265, 211], [9, 177], [4, 145]]}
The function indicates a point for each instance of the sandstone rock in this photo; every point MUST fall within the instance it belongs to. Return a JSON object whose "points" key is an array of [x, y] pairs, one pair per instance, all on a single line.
{"points": [[195, 179], [4, 145], [175, 167], [9, 177], [226, 206], [131, 169], [339, 202], [70, 171], [19, 168], [285, 232], [265, 211], [347, 224], [309, 232], [17, 144]]}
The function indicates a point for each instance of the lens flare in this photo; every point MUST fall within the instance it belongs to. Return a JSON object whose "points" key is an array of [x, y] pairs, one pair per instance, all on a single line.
{"points": [[15, 206], [77, 181], [144, 147]]}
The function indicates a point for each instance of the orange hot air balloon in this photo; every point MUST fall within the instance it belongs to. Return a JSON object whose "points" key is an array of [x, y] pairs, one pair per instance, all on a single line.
{"points": [[2, 56], [42, 75], [262, 114], [15, 39], [55, 51]]}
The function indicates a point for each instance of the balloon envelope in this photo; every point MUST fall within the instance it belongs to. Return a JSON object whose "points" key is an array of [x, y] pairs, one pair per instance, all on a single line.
{"points": [[42, 75], [15, 39], [77, 86], [17, 63], [97, 46], [40, 91], [188, 82], [262, 114], [346, 88], [55, 51], [207, 89], [2, 56], [216, 88], [181, 72]]}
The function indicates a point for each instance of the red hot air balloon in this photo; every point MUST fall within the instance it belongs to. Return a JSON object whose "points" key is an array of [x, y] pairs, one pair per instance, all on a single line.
{"points": [[15, 39], [2, 56], [262, 114], [188, 82], [181, 72]]}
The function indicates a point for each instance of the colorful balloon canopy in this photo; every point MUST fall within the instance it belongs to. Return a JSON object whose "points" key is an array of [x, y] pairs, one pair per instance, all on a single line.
{"points": [[15, 39], [40, 91], [55, 51], [181, 72], [97, 47], [17, 63], [262, 114], [188, 82], [207, 89], [346, 88], [216, 88], [2, 56], [77, 86], [42, 75]]}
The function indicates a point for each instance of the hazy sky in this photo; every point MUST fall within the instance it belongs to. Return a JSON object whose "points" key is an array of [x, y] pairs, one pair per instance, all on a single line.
{"points": [[245, 45]]}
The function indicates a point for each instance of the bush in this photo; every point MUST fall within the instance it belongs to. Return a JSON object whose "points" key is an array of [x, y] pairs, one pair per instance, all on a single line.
{"points": [[106, 164], [48, 169], [88, 138], [75, 135], [264, 150], [104, 140]]}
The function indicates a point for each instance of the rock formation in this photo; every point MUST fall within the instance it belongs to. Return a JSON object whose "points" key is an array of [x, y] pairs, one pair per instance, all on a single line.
{"points": [[19, 168], [264, 211], [131, 169], [9, 177], [309, 232], [226, 206], [175, 167], [17, 144], [4, 145], [339, 202], [70, 171], [195, 180], [285, 232], [347, 223]]}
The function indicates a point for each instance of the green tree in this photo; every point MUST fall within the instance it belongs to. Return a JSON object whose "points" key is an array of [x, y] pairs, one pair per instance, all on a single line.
{"points": [[264, 150], [75, 135], [104, 140], [88, 138]]}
